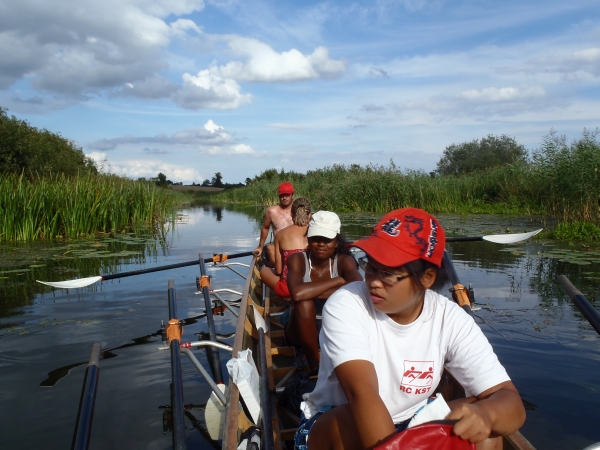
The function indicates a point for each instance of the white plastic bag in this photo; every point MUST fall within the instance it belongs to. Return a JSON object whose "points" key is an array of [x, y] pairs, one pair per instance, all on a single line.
{"points": [[242, 371], [436, 410]]}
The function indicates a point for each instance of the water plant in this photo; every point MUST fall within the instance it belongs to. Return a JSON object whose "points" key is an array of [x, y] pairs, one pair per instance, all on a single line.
{"points": [[560, 181], [61, 206]]}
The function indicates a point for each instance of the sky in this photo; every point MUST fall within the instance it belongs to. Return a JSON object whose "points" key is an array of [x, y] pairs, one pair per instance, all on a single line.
{"points": [[194, 87]]}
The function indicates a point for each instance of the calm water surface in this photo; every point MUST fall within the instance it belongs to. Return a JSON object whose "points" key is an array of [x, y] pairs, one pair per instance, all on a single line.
{"points": [[548, 348]]}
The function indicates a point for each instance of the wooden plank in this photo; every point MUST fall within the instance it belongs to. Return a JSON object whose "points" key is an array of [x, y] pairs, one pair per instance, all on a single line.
{"points": [[277, 444], [230, 432], [277, 334], [517, 441], [286, 351], [281, 372], [249, 329], [286, 377]]}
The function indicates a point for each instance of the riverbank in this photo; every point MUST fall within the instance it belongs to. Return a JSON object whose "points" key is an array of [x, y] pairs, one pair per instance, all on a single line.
{"points": [[61, 206], [559, 181]]}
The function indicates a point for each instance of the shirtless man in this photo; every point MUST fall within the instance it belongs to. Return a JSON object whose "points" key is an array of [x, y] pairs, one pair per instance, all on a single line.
{"points": [[278, 217]]}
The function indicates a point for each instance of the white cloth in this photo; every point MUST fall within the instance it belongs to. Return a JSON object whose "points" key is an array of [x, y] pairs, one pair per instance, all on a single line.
{"points": [[409, 359]]}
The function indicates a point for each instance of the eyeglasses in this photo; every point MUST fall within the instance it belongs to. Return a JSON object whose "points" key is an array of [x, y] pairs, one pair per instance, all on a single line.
{"points": [[386, 277]]}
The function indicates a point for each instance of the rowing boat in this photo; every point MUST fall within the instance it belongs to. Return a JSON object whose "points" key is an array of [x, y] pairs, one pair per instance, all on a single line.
{"points": [[278, 365]]}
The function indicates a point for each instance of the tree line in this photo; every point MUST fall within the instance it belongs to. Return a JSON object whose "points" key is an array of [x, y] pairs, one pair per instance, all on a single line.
{"points": [[34, 152]]}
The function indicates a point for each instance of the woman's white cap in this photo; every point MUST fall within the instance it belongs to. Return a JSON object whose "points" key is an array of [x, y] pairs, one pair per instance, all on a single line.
{"points": [[324, 223]]}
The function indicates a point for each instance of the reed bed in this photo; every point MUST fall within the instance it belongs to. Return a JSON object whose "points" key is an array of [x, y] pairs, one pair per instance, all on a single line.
{"points": [[66, 207], [560, 181], [381, 189]]}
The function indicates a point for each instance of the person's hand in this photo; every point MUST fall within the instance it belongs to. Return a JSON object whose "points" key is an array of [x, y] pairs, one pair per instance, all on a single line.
{"points": [[257, 251], [474, 422]]}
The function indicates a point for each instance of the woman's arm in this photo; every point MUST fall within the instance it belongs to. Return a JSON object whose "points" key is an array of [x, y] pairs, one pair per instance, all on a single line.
{"points": [[278, 260], [496, 411], [301, 291], [358, 380], [348, 272], [348, 269]]}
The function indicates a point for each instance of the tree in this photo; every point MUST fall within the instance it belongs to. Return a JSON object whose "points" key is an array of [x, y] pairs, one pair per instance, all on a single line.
{"points": [[206, 183], [161, 180], [217, 180], [491, 151], [27, 149]]}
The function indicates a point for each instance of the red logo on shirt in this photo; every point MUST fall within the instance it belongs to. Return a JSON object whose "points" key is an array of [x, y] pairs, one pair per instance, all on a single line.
{"points": [[417, 377]]}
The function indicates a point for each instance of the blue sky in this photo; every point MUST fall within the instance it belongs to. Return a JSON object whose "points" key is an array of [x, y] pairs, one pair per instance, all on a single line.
{"points": [[194, 87]]}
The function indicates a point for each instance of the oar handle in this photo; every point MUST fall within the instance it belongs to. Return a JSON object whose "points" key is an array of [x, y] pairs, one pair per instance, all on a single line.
{"points": [[588, 311], [167, 267], [459, 292]]}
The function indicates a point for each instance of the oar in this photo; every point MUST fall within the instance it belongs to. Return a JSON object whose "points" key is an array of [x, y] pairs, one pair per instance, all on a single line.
{"points": [[459, 292], [586, 308], [82, 282], [497, 238]]}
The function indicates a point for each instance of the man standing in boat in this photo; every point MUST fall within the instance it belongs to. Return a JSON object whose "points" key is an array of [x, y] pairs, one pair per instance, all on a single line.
{"points": [[278, 217]]}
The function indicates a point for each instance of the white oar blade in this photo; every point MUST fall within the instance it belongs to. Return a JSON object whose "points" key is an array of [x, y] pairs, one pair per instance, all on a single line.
{"points": [[214, 415], [72, 284], [510, 238]]}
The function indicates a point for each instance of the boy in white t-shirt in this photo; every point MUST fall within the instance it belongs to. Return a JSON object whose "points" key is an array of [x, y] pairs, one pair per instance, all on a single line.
{"points": [[385, 343]]}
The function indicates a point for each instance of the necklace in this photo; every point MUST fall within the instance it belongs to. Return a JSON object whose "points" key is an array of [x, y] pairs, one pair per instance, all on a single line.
{"points": [[319, 274]]}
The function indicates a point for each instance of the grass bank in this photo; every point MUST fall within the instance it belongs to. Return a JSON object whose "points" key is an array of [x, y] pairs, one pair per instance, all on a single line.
{"points": [[66, 207], [559, 181]]}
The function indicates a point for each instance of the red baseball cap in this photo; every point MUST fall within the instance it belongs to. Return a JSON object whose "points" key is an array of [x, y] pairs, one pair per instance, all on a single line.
{"points": [[405, 235], [286, 188]]}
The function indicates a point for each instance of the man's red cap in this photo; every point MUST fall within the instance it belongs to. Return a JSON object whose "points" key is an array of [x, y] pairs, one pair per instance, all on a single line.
{"points": [[405, 235], [286, 188]]}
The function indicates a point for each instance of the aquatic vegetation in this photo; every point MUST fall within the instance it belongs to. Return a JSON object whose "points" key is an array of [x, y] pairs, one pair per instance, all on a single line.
{"points": [[577, 231], [67, 207], [560, 181]]}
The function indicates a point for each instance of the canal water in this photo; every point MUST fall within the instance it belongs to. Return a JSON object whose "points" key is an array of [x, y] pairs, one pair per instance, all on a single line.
{"points": [[46, 334]]}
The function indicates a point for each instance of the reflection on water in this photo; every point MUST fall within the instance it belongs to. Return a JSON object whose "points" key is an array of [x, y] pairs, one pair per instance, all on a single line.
{"points": [[46, 335]]}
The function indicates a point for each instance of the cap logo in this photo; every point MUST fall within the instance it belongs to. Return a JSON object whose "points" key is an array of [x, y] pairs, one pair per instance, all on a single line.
{"points": [[391, 227], [419, 241], [432, 239]]}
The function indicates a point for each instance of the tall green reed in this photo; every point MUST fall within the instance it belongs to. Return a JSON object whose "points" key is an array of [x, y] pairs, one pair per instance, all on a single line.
{"points": [[561, 181], [63, 206]]}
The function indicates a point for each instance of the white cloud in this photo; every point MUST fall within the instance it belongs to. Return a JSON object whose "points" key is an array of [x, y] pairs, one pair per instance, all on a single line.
{"points": [[181, 26], [77, 48], [151, 168], [265, 65], [98, 157], [573, 66], [211, 127], [190, 137], [238, 149], [211, 139], [494, 94], [209, 90]]}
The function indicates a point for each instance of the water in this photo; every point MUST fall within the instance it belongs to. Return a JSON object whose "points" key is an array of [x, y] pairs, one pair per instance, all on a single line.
{"points": [[548, 348]]}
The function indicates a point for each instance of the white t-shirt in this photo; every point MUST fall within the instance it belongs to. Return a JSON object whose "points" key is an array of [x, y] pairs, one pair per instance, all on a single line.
{"points": [[409, 359]]}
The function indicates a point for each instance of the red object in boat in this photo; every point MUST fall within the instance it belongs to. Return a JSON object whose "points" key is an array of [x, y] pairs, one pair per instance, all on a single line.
{"points": [[436, 435]]}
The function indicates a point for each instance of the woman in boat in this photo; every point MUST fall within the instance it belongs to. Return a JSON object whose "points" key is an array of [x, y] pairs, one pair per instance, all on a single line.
{"points": [[385, 343], [313, 276], [289, 240]]}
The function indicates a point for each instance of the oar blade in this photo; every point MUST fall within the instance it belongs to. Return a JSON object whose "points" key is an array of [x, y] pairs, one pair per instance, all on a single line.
{"points": [[510, 238], [72, 284]]}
